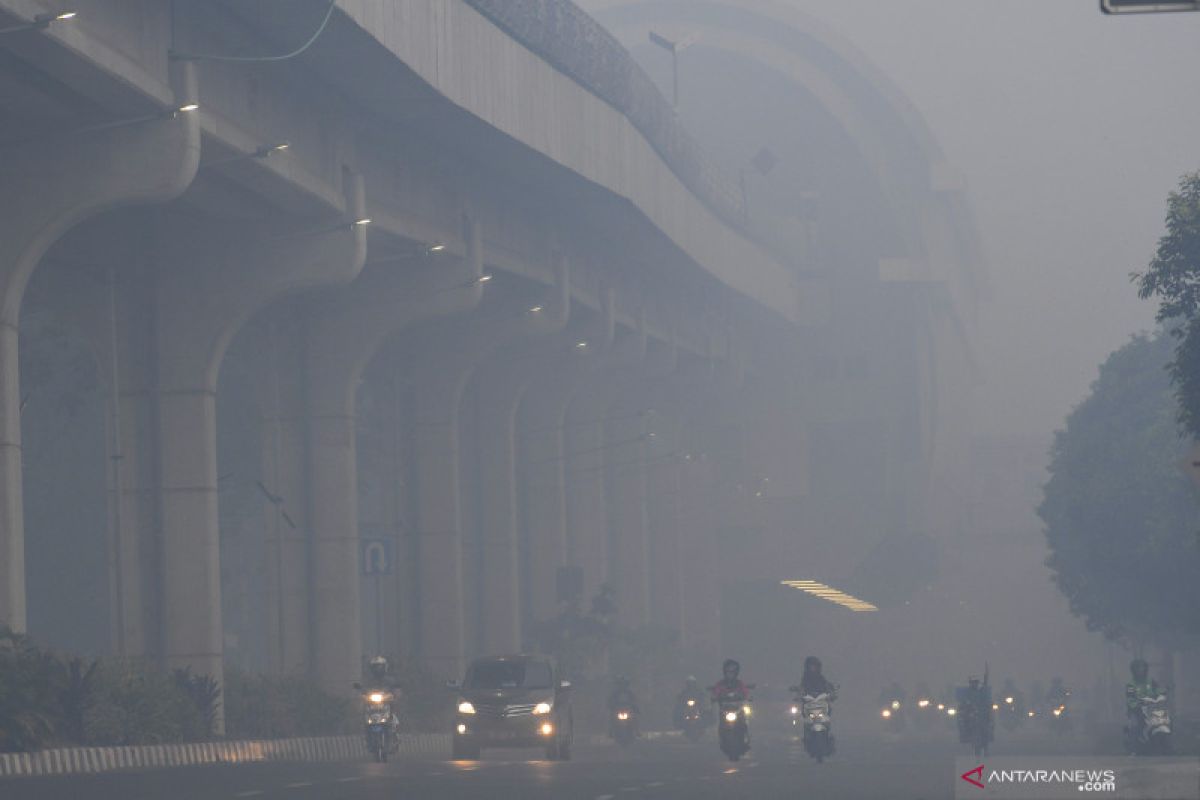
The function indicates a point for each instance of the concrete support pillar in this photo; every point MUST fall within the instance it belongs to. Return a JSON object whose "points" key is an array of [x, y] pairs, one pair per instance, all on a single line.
{"points": [[279, 392], [211, 280], [50, 186], [441, 376], [588, 458], [544, 437], [627, 446], [348, 327], [663, 486]]}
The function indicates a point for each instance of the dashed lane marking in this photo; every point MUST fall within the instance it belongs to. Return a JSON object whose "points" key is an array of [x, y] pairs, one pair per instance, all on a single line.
{"points": [[605, 797], [348, 780], [253, 793], [300, 785], [652, 784]]}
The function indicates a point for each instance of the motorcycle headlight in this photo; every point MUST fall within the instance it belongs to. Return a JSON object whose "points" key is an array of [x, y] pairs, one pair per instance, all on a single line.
{"points": [[1008, 700], [886, 713], [622, 715], [1058, 712], [923, 703], [375, 697], [465, 707], [995, 706], [691, 702], [731, 716], [542, 708], [795, 710], [952, 711], [895, 705], [747, 710]]}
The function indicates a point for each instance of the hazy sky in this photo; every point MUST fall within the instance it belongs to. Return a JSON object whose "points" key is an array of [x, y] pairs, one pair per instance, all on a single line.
{"points": [[1070, 128]]}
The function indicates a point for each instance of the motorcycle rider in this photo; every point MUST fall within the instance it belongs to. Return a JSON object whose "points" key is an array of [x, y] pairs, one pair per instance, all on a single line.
{"points": [[730, 684], [379, 680], [813, 683], [621, 698], [691, 691], [1142, 686]]}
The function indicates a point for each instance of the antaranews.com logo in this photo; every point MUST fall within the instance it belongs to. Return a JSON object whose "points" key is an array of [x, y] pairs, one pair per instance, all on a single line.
{"points": [[1050, 778], [1084, 780]]}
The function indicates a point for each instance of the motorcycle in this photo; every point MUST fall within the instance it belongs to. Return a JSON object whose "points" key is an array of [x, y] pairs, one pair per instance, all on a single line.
{"points": [[624, 726], [382, 741], [1060, 719], [693, 719], [1011, 713], [818, 727], [733, 731], [925, 712], [893, 719], [1152, 734]]}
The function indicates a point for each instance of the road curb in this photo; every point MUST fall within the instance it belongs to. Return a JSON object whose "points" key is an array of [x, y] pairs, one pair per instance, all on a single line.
{"points": [[78, 760], [86, 760]]}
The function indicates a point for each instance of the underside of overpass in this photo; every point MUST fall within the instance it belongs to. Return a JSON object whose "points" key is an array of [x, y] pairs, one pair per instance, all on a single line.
{"points": [[408, 342]]}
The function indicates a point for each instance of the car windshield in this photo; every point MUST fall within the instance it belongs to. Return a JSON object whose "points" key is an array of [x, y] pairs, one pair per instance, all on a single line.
{"points": [[508, 675]]}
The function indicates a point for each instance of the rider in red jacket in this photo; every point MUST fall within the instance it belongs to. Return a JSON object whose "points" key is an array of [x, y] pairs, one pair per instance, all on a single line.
{"points": [[730, 684]]}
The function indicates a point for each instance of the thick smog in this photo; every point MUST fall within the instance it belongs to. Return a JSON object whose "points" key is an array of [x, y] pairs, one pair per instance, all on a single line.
{"points": [[599, 398]]}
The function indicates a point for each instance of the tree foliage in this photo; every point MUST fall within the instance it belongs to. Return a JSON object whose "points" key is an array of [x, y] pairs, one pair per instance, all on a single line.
{"points": [[1120, 514], [1174, 278]]}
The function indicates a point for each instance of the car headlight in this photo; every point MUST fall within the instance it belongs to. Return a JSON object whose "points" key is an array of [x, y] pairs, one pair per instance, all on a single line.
{"points": [[731, 716], [375, 697], [465, 707], [542, 708]]}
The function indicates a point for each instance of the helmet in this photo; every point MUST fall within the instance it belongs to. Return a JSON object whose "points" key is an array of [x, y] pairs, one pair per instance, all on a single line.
{"points": [[378, 666], [731, 666], [812, 664], [691, 680], [621, 681], [1140, 669]]}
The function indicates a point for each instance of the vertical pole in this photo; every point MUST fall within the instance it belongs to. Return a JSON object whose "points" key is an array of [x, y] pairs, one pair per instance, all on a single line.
{"points": [[118, 551]]}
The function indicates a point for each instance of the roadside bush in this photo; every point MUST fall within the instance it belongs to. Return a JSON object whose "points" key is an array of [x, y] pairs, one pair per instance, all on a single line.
{"points": [[263, 707]]}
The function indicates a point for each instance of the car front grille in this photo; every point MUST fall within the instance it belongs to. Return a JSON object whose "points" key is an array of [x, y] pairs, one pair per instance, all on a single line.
{"points": [[498, 711]]}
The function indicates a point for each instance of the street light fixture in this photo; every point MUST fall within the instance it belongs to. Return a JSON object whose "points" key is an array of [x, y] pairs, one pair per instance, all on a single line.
{"points": [[41, 22]]}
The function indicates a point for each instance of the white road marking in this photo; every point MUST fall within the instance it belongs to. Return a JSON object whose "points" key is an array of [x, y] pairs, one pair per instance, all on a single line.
{"points": [[652, 784], [300, 785], [253, 793], [348, 780], [605, 797]]}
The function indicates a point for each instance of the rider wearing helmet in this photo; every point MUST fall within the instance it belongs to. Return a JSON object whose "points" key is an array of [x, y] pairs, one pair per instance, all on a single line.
{"points": [[1141, 686], [691, 691], [622, 696], [730, 684], [813, 682], [379, 679]]}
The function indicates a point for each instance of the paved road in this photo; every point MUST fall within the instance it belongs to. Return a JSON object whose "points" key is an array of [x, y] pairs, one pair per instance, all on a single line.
{"points": [[866, 768]]}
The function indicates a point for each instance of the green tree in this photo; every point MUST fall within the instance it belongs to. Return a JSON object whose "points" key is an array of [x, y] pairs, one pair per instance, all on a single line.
{"points": [[1174, 277], [1120, 515]]}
